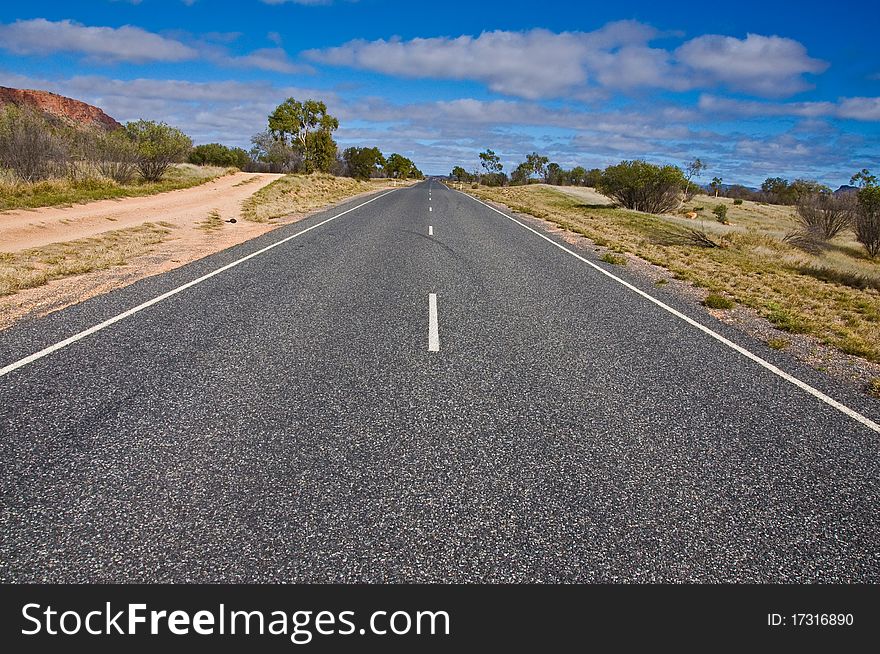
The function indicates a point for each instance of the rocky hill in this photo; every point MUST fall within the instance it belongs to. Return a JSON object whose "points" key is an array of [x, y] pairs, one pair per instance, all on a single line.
{"points": [[68, 110]]}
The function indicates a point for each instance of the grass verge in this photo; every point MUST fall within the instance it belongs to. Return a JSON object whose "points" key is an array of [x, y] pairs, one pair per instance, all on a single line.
{"points": [[751, 265], [59, 192], [38, 266], [299, 194]]}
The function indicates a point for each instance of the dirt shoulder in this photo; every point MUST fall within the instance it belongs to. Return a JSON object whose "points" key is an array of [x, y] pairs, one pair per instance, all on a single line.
{"points": [[24, 229], [193, 231]]}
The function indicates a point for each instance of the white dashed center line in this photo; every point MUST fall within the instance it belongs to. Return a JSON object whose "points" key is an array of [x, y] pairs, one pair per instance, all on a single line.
{"points": [[430, 230], [433, 329]]}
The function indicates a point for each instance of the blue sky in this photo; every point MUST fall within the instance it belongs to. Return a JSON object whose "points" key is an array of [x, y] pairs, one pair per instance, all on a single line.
{"points": [[756, 89]]}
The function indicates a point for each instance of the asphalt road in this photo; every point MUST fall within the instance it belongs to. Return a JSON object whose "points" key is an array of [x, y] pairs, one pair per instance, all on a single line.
{"points": [[287, 420]]}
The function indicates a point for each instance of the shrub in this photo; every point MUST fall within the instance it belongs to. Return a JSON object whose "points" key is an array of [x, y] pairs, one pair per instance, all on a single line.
{"points": [[866, 222], [158, 145], [643, 186], [738, 201], [114, 155], [824, 215], [216, 154], [720, 212], [31, 147], [715, 301]]}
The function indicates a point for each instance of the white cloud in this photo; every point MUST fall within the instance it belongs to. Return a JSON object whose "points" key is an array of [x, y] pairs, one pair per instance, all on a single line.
{"points": [[532, 64], [860, 108], [271, 59], [543, 64], [863, 109], [764, 65], [135, 45], [109, 44]]}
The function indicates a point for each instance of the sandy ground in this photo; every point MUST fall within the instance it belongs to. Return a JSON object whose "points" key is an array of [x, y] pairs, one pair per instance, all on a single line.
{"points": [[24, 229], [184, 209], [585, 193]]}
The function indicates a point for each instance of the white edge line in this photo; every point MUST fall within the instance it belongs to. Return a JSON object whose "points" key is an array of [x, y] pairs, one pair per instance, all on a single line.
{"points": [[125, 314], [855, 415], [433, 329]]}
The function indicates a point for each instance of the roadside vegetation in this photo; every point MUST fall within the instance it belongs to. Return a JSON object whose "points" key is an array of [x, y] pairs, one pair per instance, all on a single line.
{"points": [[65, 191], [47, 162], [293, 194], [831, 292]]}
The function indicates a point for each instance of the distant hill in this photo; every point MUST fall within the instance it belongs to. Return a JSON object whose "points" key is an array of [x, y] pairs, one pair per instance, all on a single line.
{"points": [[70, 111], [846, 188]]}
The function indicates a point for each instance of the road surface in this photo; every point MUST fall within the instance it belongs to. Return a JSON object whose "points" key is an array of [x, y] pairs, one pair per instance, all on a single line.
{"points": [[421, 389]]}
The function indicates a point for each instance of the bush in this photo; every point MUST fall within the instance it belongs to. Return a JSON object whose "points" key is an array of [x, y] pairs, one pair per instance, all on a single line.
{"points": [[157, 145], [31, 147], [720, 212], [738, 201], [824, 215], [866, 222], [216, 154], [643, 186], [114, 155]]}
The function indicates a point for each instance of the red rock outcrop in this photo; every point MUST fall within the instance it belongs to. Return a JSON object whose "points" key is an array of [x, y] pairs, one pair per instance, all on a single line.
{"points": [[73, 112]]}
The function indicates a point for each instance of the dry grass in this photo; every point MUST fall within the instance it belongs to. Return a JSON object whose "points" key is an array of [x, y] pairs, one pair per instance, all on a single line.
{"points": [[832, 295], [59, 192], [301, 193], [212, 223], [38, 266]]}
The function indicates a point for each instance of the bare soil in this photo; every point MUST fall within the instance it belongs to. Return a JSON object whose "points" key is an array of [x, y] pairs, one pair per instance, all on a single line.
{"points": [[24, 229], [194, 234]]}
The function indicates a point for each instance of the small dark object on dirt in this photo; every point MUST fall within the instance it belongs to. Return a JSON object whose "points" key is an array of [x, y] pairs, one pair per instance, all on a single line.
{"points": [[231, 220]]}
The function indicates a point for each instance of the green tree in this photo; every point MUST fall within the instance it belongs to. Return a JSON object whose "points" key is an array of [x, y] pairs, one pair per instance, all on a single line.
{"points": [[863, 179], [308, 128], [577, 176], [801, 189], [321, 152], [158, 145], [520, 174], [399, 167], [715, 185], [643, 186], [594, 176], [459, 173], [363, 163], [491, 162], [554, 174], [536, 164]]}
